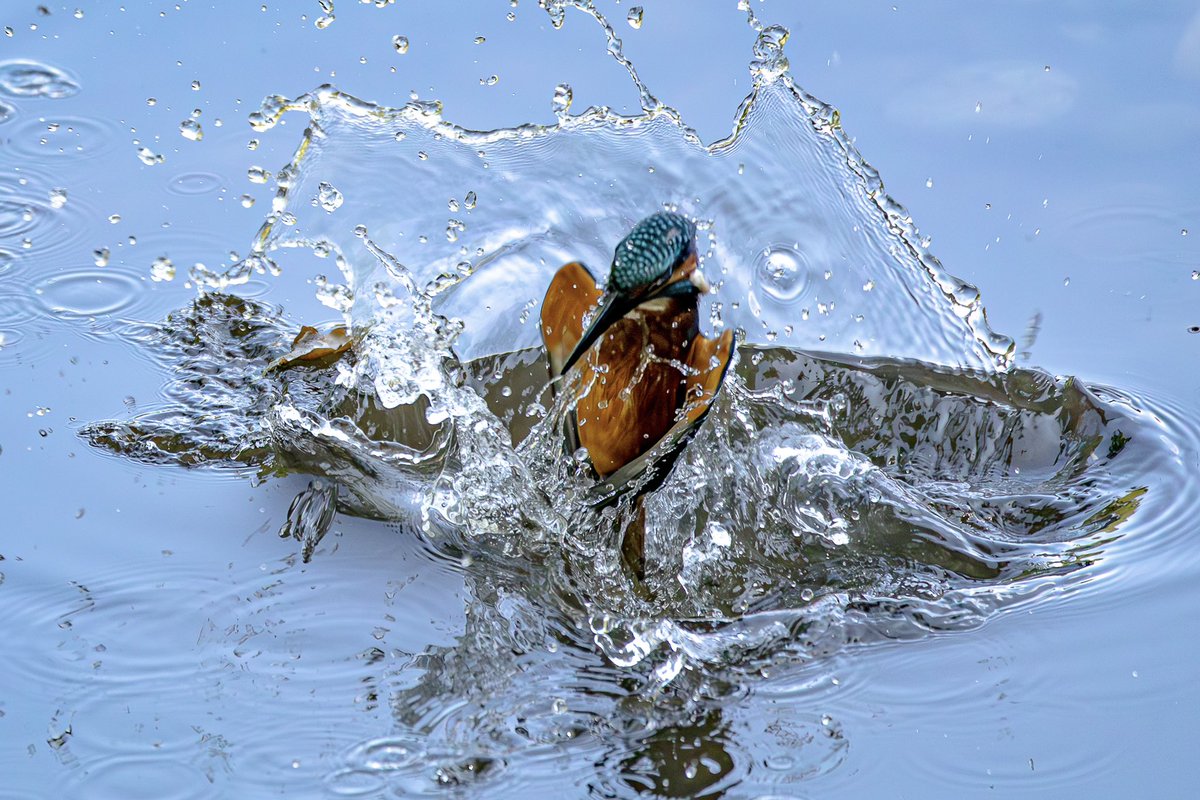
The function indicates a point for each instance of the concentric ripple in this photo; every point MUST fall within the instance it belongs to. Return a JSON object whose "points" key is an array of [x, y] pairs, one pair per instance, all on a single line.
{"points": [[89, 292], [57, 137], [195, 183]]}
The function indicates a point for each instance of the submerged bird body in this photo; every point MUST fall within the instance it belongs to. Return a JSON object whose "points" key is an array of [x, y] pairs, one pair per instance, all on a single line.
{"points": [[646, 374]]}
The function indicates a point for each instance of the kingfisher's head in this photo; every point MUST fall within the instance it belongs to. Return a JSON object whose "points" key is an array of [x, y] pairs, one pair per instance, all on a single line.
{"points": [[659, 251], [656, 259]]}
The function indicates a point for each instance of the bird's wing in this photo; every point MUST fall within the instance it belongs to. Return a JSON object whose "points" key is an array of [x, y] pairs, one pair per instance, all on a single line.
{"points": [[572, 293], [710, 359]]}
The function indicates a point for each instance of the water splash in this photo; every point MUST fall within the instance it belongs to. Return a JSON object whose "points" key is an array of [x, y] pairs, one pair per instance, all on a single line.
{"points": [[876, 470]]}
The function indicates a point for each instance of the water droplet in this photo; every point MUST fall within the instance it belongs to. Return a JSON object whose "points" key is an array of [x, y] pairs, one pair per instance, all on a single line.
{"points": [[252, 144], [634, 17], [978, 106], [257, 175], [195, 86], [79, 13], [149, 157], [151, 101], [480, 40], [360, 231], [1067, 281], [470, 200], [1183, 231], [491, 80], [929, 183], [114, 218], [162, 270], [100, 256], [58, 198], [400, 43], [328, 197], [247, 201], [1196, 274], [190, 129], [563, 95]]}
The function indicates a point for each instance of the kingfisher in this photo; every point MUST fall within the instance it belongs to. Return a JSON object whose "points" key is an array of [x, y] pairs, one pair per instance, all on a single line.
{"points": [[647, 375]]}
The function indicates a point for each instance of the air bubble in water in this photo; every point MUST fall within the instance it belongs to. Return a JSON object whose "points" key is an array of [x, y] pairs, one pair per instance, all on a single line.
{"points": [[162, 269], [400, 43], [190, 129], [329, 197], [780, 271]]}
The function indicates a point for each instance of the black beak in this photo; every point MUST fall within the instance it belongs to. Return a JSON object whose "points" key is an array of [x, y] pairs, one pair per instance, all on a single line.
{"points": [[613, 306]]}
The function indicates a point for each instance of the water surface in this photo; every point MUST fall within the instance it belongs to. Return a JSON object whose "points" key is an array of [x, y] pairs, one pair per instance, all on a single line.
{"points": [[896, 555]]}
